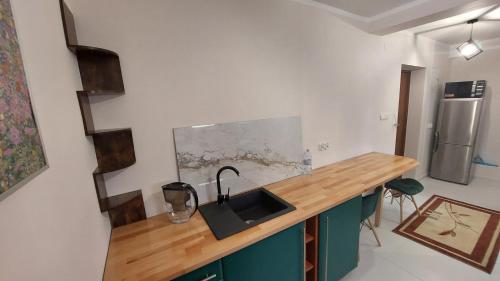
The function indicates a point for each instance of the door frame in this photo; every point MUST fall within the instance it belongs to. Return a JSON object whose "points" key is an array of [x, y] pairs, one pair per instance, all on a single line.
{"points": [[402, 118]]}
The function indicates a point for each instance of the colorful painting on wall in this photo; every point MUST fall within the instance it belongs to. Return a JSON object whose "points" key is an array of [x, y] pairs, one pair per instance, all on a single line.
{"points": [[21, 151]]}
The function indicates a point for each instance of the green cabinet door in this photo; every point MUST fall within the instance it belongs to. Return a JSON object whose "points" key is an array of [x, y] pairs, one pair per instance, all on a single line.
{"points": [[277, 258], [210, 272], [339, 240]]}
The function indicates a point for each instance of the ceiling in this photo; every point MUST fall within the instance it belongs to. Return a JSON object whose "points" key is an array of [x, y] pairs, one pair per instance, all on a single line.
{"points": [[365, 8], [452, 31], [387, 16]]}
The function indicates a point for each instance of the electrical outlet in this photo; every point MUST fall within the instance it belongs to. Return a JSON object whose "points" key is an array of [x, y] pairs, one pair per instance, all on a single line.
{"points": [[323, 146]]}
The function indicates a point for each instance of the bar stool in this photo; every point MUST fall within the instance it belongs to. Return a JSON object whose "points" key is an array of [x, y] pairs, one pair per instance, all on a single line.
{"points": [[368, 207], [400, 189]]}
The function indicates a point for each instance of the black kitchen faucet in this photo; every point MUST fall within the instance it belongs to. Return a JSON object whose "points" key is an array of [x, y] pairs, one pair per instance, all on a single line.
{"points": [[220, 197]]}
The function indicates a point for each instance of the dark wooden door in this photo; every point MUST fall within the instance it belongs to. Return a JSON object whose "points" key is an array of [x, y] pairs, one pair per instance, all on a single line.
{"points": [[404, 98]]}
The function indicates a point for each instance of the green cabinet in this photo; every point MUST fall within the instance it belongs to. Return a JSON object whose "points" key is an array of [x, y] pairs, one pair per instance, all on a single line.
{"points": [[210, 272], [279, 257], [339, 240]]}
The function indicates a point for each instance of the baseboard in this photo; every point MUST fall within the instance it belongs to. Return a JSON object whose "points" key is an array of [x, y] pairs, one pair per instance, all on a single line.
{"points": [[414, 175], [492, 173], [422, 176]]}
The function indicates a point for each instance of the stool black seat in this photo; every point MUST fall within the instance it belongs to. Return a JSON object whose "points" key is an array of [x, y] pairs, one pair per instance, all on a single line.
{"points": [[404, 188]]}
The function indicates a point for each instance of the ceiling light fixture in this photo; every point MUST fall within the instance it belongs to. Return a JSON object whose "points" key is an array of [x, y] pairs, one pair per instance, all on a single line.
{"points": [[471, 48]]}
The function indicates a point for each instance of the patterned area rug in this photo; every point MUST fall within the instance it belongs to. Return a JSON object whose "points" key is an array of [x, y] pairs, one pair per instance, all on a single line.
{"points": [[465, 232]]}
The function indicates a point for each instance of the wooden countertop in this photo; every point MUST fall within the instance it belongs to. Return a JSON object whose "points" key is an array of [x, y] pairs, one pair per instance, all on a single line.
{"points": [[156, 249]]}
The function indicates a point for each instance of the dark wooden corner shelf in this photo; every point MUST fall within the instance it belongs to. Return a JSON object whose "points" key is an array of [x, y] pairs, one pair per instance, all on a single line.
{"points": [[84, 103], [108, 131], [93, 93], [311, 245], [100, 70], [81, 49], [126, 208], [309, 266], [100, 189], [101, 75], [309, 238], [114, 149]]}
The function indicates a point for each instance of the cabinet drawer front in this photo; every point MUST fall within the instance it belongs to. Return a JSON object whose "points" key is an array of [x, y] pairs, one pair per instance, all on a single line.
{"points": [[339, 240], [276, 258], [211, 272]]}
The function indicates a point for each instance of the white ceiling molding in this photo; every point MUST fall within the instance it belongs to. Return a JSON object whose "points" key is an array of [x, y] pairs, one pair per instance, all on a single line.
{"points": [[454, 30], [495, 14], [451, 21], [397, 10], [406, 16], [333, 10], [373, 9]]}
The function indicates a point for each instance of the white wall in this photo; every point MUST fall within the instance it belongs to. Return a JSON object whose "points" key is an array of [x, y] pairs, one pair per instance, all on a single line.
{"points": [[188, 62], [51, 228], [484, 67], [196, 62]]}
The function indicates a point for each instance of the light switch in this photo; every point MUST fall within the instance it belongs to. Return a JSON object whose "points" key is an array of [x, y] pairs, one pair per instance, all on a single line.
{"points": [[384, 116]]}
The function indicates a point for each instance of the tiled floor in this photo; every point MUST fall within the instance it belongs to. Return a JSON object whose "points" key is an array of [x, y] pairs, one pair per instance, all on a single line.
{"points": [[400, 259]]}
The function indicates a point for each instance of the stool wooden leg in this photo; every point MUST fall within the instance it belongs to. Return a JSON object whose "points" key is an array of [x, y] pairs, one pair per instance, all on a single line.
{"points": [[374, 232], [385, 191], [401, 199], [378, 213], [416, 206]]}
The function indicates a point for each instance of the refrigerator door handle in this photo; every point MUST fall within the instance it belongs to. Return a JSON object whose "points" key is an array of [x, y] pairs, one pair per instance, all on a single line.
{"points": [[436, 141]]}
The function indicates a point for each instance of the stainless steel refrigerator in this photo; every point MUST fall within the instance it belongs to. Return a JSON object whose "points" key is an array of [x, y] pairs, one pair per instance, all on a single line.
{"points": [[456, 131]]}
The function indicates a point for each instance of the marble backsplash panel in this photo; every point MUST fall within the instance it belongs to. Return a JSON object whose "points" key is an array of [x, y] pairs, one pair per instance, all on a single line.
{"points": [[264, 151]]}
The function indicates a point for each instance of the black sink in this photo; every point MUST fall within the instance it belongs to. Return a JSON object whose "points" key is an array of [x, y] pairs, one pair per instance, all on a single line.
{"points": [[243, 211], [258, 205]]}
